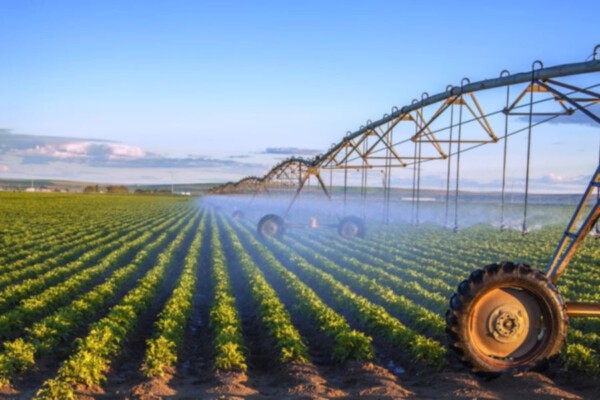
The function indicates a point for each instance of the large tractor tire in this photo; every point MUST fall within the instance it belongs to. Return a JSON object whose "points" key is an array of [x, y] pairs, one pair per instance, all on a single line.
{"points": [[506, 318], [350, 227], [271, 225]]}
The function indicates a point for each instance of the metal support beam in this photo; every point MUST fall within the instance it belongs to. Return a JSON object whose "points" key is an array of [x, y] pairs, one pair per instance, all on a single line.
{"points": [[575, 309], [574, 101], [573, 237]]}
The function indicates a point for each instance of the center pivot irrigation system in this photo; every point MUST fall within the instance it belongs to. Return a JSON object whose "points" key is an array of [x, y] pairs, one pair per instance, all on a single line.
{"points": [[506, 316]]}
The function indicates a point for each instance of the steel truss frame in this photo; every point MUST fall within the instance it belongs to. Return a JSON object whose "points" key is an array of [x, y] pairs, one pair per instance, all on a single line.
{"points": [[373, 145]]}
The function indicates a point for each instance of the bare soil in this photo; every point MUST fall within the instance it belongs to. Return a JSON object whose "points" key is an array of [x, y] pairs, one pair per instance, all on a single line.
{"points": [[350, 381], [370, 381]]}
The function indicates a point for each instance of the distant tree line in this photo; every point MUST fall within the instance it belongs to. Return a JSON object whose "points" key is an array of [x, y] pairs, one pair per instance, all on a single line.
{"points": [[112, 189], [153, 191], [91, 189], [120, 189]]}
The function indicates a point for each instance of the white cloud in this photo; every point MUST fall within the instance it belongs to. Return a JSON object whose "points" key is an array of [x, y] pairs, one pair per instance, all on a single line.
{"points": [[291, 151], [105, 161], [553, 178], [119, 150], [84, 150]]}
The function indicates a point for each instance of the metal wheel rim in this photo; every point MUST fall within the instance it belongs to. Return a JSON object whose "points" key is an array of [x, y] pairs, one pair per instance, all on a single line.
{"points": [[269, 228], [508, 325], [349, 230]]}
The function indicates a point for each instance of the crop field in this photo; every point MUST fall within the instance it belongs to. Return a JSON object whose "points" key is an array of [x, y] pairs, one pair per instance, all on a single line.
{"points": [[152, 297]]}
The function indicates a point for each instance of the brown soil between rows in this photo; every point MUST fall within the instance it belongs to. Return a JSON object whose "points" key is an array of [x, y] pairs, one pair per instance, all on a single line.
{"points": [[351, 381], [371, 381]]}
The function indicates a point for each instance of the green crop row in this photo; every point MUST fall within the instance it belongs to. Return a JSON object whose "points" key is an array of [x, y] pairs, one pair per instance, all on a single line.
{"points": [[68, 250], [50, 243], [79, 273], [43, 338], [406, 280], [161, 353], [374, 317], [27, 221], [417, 317], [39, 249], [224, 319], [348, 344], [89, 363], [76, 252], [46, 301], [271, 310], [426, 275]]}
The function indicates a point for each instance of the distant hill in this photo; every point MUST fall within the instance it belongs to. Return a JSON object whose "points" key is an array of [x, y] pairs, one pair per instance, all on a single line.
{"points": [[53, 185]]}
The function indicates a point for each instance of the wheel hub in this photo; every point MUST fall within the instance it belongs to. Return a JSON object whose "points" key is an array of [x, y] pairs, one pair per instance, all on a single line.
{"points": [[506, 324], [349, 230], [269, 228]]}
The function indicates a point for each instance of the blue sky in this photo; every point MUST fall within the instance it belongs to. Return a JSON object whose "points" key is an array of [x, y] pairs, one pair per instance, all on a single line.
{"points": [[204, 88]]}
